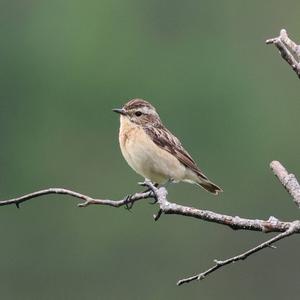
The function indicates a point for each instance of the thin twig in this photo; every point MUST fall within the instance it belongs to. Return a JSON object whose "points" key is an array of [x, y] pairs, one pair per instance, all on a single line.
{"points": [[288, 49], [221, 263], [289, 181], [87, 199]]}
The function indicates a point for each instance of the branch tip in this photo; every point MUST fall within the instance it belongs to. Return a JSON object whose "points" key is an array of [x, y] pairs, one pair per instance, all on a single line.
{"points": [[289, 181], [288, 49]]}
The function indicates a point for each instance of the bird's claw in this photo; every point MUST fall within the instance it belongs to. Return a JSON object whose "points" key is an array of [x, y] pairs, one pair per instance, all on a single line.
{"points": [[148, 184], [154, 201], [128, 202]]}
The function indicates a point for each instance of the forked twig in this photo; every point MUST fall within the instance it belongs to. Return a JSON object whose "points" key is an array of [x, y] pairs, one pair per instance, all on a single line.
{"points": [[221, 263]]}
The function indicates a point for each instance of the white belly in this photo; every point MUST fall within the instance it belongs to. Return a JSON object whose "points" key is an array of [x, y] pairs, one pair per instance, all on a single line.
{"points": [[145, 157]]}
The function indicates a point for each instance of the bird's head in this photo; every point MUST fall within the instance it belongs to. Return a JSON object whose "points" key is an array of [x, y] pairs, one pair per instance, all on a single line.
{"points": [[139, 112]]}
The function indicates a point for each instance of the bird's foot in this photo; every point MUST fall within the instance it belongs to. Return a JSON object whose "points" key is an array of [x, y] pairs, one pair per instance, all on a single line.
{"points": [[159, 194], [151, 187], [148, 184], [154, 201], [128, 202], [154, 197]]}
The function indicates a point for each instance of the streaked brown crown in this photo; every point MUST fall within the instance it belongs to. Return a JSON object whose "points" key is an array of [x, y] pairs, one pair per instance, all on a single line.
{"points": [[141, 112], [137, 104]]}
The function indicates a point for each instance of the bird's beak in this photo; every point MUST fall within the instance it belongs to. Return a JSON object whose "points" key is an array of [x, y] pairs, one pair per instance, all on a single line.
{"points": [[120, 111]]}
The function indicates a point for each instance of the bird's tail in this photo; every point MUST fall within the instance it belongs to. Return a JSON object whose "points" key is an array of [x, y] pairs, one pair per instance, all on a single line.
{"points": [[209, 186]]}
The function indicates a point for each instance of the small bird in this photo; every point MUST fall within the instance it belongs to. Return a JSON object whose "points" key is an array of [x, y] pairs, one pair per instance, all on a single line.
{"points": [[153, 151]]}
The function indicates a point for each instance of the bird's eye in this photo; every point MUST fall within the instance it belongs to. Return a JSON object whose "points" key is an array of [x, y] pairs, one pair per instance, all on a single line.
{"points": [[138, 113]]}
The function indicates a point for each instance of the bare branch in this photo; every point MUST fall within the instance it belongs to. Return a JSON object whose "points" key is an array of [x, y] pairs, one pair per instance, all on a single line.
{"points": [[289, 181], [288, 49], [165, 207], [221, 263]]}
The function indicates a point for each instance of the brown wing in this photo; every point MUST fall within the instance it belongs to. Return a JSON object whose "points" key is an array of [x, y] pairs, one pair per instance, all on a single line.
{"points": [[167, 141]]}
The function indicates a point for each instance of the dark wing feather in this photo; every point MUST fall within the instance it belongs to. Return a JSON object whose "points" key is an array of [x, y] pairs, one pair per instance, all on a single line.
{"points": [[163, 138]]}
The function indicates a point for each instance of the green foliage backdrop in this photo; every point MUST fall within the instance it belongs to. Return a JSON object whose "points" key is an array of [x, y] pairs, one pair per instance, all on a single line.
{"points": [[228, 96]]}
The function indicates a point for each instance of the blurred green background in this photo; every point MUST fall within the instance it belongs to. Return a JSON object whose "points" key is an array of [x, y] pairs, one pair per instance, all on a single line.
{"points": [[230, 98]]}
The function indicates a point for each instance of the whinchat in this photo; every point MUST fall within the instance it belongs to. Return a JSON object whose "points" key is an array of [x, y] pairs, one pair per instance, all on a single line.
{"points": [[153, 151]]}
